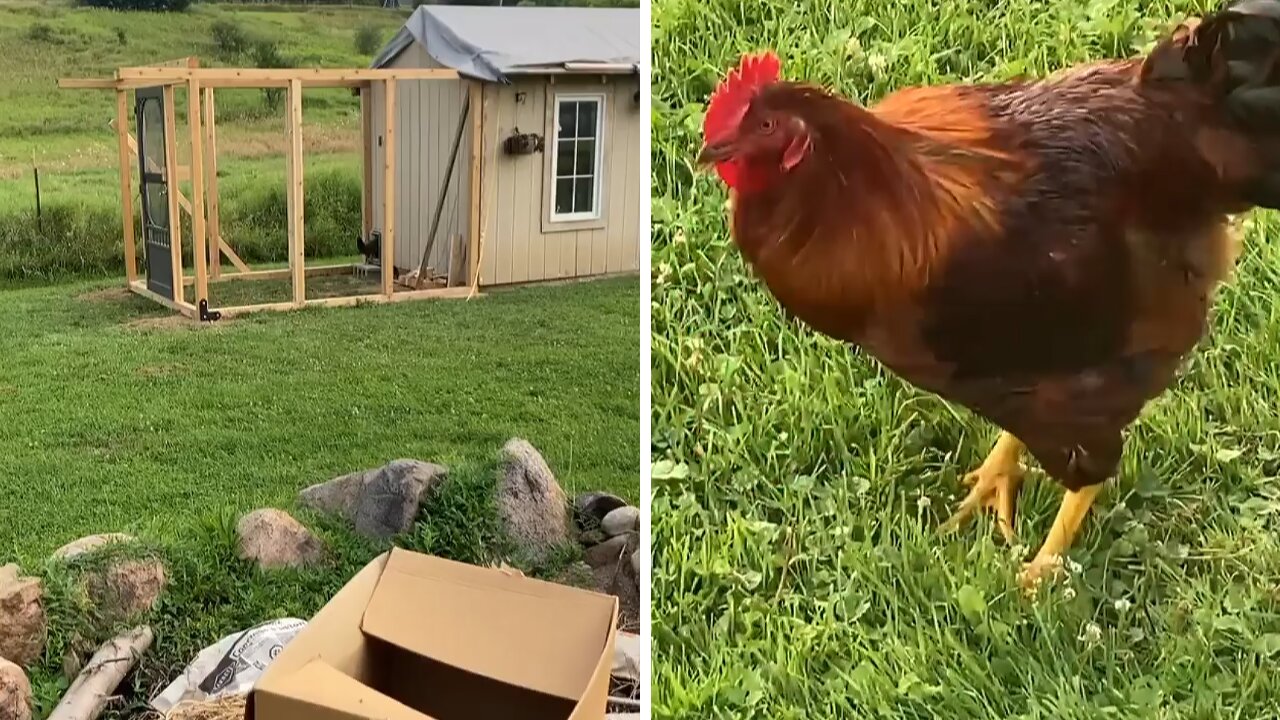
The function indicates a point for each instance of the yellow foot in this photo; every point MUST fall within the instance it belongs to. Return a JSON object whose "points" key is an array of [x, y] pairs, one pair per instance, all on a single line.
{"points": [[995, 485], [1041, 567]]}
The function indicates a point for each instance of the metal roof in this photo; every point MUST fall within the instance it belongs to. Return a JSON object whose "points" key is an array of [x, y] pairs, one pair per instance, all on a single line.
{"points": [[493, 43]]}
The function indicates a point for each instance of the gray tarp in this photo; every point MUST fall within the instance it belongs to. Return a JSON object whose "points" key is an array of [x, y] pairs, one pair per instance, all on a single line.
{"points": [[491, 43]]}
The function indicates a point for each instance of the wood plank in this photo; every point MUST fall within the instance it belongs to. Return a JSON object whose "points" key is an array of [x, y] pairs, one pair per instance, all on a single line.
{"points": [[389, 189], [216, 77], [474, 204], [88, 84], [171, 169], [240, 265], [285, 273], [211, 185], [366, 162], [406, 296], [126, 185], [297, 234], [140, 287], [199, 251]]}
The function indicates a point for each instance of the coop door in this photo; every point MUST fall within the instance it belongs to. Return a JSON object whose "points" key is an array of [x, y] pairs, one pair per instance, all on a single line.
{"points": [[155, 191]]}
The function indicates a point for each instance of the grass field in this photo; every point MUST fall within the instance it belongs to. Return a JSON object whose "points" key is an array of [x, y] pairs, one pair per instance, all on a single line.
{"points": [[123, 418], [798, 485]]}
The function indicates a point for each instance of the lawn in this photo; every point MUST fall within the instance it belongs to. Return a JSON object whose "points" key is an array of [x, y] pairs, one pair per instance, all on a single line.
{"points": [[121, 420], [798, 485]]}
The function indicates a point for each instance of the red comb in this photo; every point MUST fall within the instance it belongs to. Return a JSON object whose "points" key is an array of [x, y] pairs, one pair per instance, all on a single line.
{"points": [[730, 100]]}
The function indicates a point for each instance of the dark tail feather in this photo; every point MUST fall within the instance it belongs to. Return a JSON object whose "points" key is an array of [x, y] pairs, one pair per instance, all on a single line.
{"points": [[1235, 54]]}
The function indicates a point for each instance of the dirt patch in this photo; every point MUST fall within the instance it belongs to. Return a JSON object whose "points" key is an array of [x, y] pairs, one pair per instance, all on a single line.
{"points": [[105, 295], [156, 371], [165, 322]]}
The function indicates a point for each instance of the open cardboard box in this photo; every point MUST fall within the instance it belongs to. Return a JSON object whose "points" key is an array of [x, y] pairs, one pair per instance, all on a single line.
{"points": [[416, 637]]}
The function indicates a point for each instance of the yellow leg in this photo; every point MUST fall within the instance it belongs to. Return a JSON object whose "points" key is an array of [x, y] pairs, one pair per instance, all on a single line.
{"points": [[995, 485], [1071, 514]]}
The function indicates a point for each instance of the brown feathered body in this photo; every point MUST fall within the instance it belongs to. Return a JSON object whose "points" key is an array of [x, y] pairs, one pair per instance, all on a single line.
{"points": [[1043, 253]]}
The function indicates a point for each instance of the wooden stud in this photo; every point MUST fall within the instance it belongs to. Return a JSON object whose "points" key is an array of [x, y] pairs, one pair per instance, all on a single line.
{"points": [[387, 255], [171, 181], [286, 273], [199, 251], [477, 142], [211, 185], [431, 293], [297, 236], [240, 265], [139, 287], [216, 77], [126, 185], [366, 162]]}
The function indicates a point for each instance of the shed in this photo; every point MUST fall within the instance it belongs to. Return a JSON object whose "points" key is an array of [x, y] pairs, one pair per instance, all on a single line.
{"points": [[558, 96]]}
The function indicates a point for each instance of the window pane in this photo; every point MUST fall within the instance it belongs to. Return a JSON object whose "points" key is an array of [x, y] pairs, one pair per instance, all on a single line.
{"points": [[568, 115], [564, 196], [583, 189], [586, 158], [564, 158], [587, 118]]}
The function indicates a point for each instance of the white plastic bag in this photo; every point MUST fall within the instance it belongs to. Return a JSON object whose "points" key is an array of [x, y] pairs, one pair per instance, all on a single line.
{"points": [[230, 666]]}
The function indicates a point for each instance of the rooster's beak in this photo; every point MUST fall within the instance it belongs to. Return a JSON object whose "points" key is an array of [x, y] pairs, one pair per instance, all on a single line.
{"points": [[716, 152]]}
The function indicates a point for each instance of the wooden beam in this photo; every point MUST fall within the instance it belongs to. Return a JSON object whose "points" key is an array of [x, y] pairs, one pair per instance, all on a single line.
{"points": [[139, 287], [336, 77], [126, 185], [387, 254], [366, 162], [171, 169], [211, 185], [429, 294], [297, 234], [477, 142], [240, 265], [88, 84], [284, 273], [199, 251]]}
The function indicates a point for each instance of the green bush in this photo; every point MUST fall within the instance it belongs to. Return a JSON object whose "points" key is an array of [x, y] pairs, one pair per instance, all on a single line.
{"points": [[266, 54], [150, 5], [368, 39], [230, 41], [43, 33]]}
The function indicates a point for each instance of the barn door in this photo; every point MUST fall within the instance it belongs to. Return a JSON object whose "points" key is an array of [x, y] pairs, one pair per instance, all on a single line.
{"points": [[155, 190]]}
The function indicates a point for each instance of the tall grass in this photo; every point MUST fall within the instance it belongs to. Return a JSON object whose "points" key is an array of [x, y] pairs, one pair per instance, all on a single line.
{"points": [[78, 240]]}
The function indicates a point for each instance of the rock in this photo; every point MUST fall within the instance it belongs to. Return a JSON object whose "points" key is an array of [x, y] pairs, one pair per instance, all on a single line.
{"points": [[532, 505], [380, 503], [610, 552], [621, 521], [88, 544], [274, 539], [635, 562], [23, 625], [589, 509], [592, 537], [127, 588], [15, 692]]}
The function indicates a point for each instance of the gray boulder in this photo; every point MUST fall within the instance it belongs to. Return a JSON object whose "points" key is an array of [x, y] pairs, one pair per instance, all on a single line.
{"points": [[590, 509], [379, 503], [533, 507], [621, 521]]}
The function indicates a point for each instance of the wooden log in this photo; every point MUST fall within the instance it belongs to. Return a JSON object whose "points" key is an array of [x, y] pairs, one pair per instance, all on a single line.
{"points": [[97, 682]]}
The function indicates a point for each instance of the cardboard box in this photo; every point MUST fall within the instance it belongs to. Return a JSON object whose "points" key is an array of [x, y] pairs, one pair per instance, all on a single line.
{"points": [[415, 637]]}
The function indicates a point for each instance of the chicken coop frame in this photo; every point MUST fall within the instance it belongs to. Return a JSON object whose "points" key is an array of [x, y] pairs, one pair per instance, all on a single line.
{"points": [[162, 81]]}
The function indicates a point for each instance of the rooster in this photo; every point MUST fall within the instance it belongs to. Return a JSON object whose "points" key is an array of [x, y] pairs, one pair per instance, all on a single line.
{"points": [[1043, 253]]}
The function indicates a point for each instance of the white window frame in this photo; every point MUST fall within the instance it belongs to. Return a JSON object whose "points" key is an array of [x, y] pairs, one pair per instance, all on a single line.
{"points": [[596, 200]]}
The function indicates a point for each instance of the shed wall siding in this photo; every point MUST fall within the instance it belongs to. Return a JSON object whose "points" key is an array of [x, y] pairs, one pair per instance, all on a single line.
{"points": [[519, 245], [426, 121]]}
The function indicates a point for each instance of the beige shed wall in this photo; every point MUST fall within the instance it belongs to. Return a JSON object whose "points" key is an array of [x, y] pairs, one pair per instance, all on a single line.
{"points": [[521, 245], [426, 120]]}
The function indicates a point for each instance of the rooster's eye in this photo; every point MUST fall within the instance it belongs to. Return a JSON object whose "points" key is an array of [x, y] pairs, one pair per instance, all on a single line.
{"points": [[767, 125]]}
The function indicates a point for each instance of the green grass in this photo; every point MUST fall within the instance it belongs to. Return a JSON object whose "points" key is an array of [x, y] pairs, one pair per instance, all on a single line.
{"points": [[798, 485], [122, 421]]}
